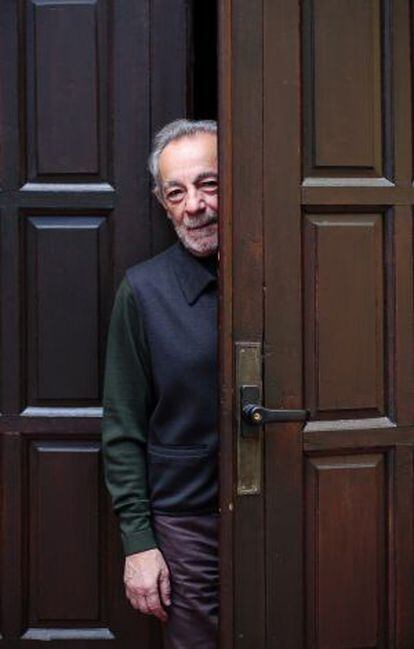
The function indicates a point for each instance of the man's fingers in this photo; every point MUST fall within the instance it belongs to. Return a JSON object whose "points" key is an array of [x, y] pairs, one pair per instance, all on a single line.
{"points": [[139, 604], [147, 603], [138, 601], [165, 588], [155, 607], [143, 605]]}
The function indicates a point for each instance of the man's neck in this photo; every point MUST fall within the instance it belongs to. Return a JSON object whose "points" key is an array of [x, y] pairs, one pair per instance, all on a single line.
{"points": [[210, 262]]}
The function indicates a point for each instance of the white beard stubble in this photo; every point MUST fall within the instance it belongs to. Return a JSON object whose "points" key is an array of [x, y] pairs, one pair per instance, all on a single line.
{"points": [[199, 242]]}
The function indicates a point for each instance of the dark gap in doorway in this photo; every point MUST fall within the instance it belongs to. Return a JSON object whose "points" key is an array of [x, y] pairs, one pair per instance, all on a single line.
{"points": [[204, 59]]}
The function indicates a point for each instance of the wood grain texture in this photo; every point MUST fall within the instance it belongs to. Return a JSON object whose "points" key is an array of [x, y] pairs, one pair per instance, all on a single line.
{"points": [[247, 304], [227, 458], [347, 85], [283, 323], [66, 85], [346, 518], [403, 313], [401, 587], [338, 321], [82, 87], [64, 534], [13, 555], [67, 258], [344, 314]]}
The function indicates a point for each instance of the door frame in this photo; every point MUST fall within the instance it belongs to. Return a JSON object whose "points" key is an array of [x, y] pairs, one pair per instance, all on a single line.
{"points": [[225, 328]]}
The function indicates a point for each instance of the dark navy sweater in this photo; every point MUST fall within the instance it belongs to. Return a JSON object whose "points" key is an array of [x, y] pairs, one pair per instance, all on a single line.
{"points": [[160, 395]]}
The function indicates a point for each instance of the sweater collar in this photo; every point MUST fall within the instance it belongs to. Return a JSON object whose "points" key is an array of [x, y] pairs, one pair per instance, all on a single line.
{"points": [[193, 275]]}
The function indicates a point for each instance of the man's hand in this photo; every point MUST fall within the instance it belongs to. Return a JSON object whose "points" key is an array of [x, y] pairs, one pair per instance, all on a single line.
{"points": [[147, 583]]}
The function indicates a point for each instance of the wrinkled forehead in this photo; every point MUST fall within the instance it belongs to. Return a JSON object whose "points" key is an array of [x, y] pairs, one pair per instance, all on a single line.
{"points": [[188, 156]]}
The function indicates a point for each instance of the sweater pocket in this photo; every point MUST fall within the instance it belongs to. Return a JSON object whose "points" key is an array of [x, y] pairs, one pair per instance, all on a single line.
{"points": [[182, 479]]}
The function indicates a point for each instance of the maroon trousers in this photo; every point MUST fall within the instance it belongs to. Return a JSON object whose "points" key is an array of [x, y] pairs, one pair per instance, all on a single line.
{"points": [[189, 545]]}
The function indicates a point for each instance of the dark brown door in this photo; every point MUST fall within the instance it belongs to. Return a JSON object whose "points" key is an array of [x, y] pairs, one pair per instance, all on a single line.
{"points": [[317, 280], [83, 85]]}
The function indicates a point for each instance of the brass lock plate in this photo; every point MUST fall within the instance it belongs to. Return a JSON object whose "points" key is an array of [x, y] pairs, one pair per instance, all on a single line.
{"points": [[249, 438]]}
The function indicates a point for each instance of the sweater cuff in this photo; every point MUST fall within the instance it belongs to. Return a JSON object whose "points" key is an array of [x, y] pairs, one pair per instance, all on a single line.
{"points": [[139, 542]]}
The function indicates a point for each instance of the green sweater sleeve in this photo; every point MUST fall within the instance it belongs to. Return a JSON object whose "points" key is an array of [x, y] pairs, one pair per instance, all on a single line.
{"points": [[126, 410]]}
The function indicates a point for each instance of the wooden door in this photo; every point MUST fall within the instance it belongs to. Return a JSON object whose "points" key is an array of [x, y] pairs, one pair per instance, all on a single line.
{"points": [[317, 271], [83, 85]]}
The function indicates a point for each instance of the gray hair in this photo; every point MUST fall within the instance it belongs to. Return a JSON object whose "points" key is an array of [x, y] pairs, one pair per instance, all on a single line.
{"points": [[174, 131]]}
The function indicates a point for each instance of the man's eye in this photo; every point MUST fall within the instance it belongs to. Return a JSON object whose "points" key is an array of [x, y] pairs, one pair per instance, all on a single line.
{"points": [[210, 185], [175, 195]]}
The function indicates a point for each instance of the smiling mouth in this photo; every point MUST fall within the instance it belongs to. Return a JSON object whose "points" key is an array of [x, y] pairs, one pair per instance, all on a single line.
{"points": [[200, 227]]}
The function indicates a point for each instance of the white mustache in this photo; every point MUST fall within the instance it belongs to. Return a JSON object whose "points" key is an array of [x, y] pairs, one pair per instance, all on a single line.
{"points": [[194, 223]]}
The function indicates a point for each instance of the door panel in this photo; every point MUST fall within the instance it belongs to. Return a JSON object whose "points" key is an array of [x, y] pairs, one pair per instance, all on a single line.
{"points": [[53, 534], [345, 319], [329, 115], [57, 98], [346, 530], [62, 254], [83, 86], [342, 85]]}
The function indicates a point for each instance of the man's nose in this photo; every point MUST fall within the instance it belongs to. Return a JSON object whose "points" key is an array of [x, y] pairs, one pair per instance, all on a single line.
{"points": [[194, 201]]}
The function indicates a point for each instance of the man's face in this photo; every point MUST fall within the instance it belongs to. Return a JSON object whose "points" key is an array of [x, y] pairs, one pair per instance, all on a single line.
{"points": [[189, 191]]}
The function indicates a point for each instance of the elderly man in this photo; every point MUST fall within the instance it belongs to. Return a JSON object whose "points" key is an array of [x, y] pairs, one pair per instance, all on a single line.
{"points": [[160, 399]]}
